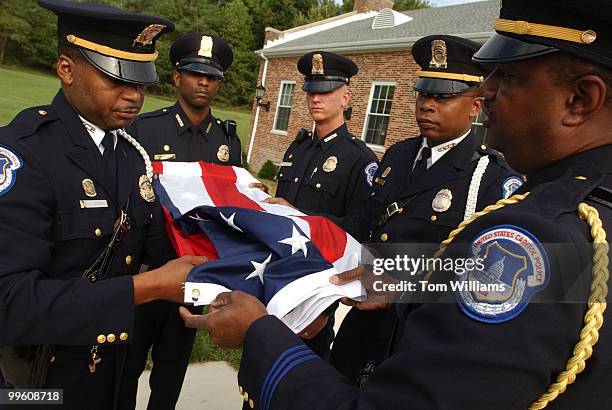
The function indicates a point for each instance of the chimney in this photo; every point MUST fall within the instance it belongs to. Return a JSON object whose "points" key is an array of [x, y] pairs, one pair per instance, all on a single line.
{"points": [[363, 6], [272, 34]]}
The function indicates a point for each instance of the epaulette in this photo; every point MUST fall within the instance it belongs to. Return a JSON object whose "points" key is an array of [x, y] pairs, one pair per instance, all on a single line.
{"points": [[302, 135], [156, 113], [29, 120], [361, 144]]}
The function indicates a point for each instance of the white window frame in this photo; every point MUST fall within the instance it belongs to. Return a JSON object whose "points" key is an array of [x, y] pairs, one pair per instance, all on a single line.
{"points": [[280, 93], [375, 147]]}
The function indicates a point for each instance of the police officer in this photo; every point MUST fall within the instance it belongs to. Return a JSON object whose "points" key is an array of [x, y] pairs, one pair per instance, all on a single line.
{"points": [[78, 214], [328, 171], [426, 185], [186, 131], [549, 103]]}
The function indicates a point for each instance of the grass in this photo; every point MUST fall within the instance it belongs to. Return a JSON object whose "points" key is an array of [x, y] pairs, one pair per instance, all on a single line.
{"points": [[22, 88]]}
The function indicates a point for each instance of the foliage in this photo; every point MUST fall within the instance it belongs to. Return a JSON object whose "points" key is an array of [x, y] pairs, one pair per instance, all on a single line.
{"points": [[324, 9], [268, 170], [401, 5]]}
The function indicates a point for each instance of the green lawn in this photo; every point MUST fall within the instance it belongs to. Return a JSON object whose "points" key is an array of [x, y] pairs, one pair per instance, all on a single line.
{"points": [[20, 89]]}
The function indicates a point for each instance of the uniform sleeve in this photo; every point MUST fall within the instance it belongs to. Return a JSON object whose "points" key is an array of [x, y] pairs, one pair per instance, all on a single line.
{"points": [[34, 308], [443, 359], [361, 184], [236, 147]]}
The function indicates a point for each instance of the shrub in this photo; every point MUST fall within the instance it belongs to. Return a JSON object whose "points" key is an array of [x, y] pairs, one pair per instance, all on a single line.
{"points": [[268, 170]]}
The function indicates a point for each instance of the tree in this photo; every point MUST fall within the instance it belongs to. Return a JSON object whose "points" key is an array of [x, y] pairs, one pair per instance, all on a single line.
{"points": [[324, 9], [13, 25], [401, 5], [240, 78]]}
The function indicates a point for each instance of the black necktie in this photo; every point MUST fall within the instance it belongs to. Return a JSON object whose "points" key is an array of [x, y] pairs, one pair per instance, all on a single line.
{"points": [[421, 165], [109, 153]]}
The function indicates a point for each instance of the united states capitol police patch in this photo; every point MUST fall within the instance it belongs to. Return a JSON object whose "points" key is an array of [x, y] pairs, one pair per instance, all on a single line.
{"points": [[10, 163], [514, 267], [370, 171], [510, 185]]}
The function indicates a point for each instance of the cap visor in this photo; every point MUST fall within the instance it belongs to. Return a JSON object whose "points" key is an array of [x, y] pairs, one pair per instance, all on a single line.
{"points": [[505, 49], [136, 72], [202, 69], [441, 86], [321, 86]]}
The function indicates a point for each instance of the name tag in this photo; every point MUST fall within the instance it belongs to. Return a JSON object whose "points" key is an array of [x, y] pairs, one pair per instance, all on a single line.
{"points": [[164, 157], [286, 164], [93, 203]]}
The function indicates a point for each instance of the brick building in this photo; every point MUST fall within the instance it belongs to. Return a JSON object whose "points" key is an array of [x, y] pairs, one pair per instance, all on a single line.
{"points": [[378, 39]]}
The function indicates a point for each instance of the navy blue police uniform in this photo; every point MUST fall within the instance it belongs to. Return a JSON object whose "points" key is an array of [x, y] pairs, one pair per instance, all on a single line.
{"points": [[59, 203], [408, 207], [168, 135], [490, 349], [326, 174]]}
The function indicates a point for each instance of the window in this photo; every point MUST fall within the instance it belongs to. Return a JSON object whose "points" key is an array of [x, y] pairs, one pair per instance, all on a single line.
{"points": [[283, 108], [379, 111], [478, 127]]}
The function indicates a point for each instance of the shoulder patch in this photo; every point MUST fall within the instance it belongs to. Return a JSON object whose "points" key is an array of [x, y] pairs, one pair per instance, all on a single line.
{"points": [[510, 185], [10, 163], [370, 171], [511, 266]]}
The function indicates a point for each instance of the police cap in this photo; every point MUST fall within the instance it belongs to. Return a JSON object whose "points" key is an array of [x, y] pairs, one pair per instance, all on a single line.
{"points": [[200, 53], [531, 28], [446, 64], [325, 71], [117, 42]]}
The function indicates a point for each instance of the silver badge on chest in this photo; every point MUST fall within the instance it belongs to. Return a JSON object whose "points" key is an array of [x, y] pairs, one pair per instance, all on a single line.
{"points": [[330, 164], [442, 201]]}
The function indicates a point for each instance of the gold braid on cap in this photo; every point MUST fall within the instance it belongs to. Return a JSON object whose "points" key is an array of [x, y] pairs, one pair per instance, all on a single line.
{"points": [[109, 51], [451, 76], [542, 30]]}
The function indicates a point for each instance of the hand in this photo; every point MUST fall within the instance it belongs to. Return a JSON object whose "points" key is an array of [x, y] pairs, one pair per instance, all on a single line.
{"points": [[259, 185], [229, 317], [166, 282], [375, 300], [279, 201], [314, 328]]}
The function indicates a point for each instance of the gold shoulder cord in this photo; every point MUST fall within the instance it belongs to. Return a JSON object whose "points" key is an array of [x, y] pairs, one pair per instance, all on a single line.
{"points": [[593, 319]]}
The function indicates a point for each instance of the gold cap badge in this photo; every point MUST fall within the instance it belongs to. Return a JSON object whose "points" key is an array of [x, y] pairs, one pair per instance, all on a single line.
{"points": [[438, 54], [147, 35], [206, 45], [317, 64]]}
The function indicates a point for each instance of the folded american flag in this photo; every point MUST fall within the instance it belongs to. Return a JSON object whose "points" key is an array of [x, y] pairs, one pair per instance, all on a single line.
{"points": [[274, 252]]}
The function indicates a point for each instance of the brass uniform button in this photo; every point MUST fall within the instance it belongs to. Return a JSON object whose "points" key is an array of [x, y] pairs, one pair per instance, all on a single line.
{"points": [[110, 338], [483, 146], [151, 216], [318, 185], [384, 237], [251, 404], [123, 337], [245, 395], [296, 179], [290, 156], [280, 175], [98, 232], [52, 359], [42, 112], [101, 339], [433, 218], [128, 260], [240, 390], [166, 148], [580, 178]]}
